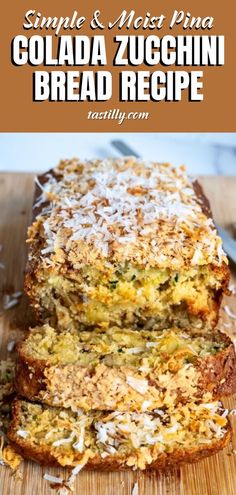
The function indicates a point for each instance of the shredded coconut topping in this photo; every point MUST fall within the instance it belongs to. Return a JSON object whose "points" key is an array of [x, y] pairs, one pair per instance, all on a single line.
{"points": [[147, 212], [138, 384], [145, 429]]}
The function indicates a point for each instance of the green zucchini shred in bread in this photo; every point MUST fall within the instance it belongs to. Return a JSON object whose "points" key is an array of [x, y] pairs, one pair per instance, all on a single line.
{"points": [[118, 440], [124, 242], [124, 369], [116, 346]]}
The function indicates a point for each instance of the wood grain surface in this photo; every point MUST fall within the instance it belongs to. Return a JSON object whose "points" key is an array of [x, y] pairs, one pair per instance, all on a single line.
{"points": [[214, 476]]}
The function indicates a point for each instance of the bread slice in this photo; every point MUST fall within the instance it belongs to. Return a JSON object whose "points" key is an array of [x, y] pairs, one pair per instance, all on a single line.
{"points": [[123, 242], [7, 373], [113, 441], [124, 369]]}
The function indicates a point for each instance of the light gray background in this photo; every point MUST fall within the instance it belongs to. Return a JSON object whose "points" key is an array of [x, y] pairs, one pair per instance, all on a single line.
{"points": [[202, 153]]}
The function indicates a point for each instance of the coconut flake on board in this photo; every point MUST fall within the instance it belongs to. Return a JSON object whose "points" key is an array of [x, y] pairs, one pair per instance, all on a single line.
{"points": [[52, 479], [229, 312], [11, 300], [135, 489]]}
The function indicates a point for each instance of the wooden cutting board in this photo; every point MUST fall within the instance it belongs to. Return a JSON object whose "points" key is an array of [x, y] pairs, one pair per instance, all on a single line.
{"points": [[213, 476]]}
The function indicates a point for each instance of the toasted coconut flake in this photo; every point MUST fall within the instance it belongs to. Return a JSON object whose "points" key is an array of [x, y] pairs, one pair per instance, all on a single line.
{"points": [[17, 294], [52, 479], [102, 433], [62, 491], [63, 441], [111, 449], [232, 288], [9, 303], [80, 444], [104, 455], [22, 433], [227, 325], [135, 489], [38, 183], [138, 384], [217, 429], [209, 405], [174, 428], [152, 344], [145, 405], [225, 413], [76, 471], [159, 412], [11, 345], [229, 312], [11, 300], [134, 350]]}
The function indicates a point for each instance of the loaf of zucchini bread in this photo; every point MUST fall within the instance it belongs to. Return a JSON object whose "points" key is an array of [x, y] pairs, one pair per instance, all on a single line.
{"points": [[115, 441], [126, 274], [123, 242], [124, 369]]}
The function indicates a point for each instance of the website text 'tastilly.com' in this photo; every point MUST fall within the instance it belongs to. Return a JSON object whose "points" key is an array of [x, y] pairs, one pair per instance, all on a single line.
{"points": [[118, 115]]}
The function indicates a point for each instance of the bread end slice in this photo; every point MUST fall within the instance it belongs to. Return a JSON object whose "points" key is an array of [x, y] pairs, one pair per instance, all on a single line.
{"points": [[96, 451]]}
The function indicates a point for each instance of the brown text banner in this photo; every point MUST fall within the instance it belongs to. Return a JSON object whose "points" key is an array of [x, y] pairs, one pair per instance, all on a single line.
{"points": [[118, 66]]}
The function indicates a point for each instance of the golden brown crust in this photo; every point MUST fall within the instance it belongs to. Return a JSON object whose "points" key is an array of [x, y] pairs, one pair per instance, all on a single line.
{"points": [[217, 374], [30, 378], [44, 455], [164, 462]]}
